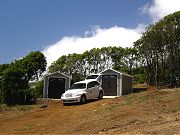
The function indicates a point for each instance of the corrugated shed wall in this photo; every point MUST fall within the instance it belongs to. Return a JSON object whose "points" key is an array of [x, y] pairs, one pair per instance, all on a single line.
{"points": [[126, 84]]}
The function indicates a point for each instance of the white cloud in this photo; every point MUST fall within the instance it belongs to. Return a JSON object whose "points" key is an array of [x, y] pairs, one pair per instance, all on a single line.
{"points": [[97, 38], [114, 36], [160, 8]]}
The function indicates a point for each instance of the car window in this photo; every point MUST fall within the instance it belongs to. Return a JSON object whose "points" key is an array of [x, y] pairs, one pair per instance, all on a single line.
{"points": [[95, 83], [89, 85], [78, 86]]}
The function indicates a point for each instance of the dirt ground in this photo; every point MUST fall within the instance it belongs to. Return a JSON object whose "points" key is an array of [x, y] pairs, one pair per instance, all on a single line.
{"points": [[149, 112]]}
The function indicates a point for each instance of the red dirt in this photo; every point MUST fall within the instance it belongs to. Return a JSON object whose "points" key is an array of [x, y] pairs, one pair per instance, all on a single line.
{"points": [[149, 112]]}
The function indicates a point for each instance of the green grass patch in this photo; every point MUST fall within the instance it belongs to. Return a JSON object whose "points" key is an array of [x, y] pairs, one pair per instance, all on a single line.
{"points": [[4, 107], [158, 98], [143, 98], [175, 108], [25, 127], [136, 98], [29, 125], [129, 100], [112, 106], [143, 85]]}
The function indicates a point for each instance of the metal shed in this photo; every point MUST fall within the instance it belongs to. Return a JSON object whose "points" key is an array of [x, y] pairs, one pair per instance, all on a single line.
{"points": [[115, 83], [55, 85]]}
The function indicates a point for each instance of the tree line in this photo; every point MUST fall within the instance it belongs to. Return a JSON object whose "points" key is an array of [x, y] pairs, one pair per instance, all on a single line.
{"points": [[97, 60]]}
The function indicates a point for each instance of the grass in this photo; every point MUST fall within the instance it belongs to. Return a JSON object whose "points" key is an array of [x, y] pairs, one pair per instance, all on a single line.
{"points": [[4, 107], [158, 99], [29, 125], [112, 106], [136, 98], [143, 85], [26, 127], [129, 100], [174, 108]]}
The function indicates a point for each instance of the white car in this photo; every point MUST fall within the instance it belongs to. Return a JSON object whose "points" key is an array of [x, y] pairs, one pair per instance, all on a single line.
{"points": [[82, 91]]}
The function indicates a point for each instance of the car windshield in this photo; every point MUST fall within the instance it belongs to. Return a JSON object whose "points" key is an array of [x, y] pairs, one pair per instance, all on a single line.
{"points": [[78, 86], [92, 77]]}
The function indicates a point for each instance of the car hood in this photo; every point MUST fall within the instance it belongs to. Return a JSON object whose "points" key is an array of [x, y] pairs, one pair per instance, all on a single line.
{"points": [[74, 91]]}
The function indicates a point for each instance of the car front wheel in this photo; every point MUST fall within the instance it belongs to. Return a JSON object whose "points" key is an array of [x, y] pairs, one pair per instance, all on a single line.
{"points": [[100, 95], [83, 99]]}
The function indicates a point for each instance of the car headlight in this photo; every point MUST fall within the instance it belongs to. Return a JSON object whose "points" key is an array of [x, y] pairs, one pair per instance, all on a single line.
{"points": [[69, 95], [62, 95]]}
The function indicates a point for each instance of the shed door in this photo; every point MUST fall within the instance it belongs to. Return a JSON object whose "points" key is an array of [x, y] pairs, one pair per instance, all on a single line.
{"points": [[109, 85], [56, 87]]}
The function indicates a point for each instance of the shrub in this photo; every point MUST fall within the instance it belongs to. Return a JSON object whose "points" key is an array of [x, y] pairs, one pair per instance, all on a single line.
{"points": [[14, 85], [37, 90]]}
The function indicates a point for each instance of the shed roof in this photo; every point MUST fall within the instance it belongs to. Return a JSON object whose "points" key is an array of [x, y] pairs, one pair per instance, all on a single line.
{"points": [[115, 71], [57, 73]]}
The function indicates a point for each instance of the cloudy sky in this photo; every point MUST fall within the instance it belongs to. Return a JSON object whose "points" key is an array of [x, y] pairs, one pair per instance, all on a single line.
{"points": [[59, 27]]}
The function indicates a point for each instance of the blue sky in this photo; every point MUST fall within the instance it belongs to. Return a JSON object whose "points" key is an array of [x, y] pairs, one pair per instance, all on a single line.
{"points": [[30, 25]]}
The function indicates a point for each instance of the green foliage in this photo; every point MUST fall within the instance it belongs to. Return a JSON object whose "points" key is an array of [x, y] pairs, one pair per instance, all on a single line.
{"points": [[34, 64], [17, 74], [14, 84], [139, 74], [37, 90], [95, 61], [1, 92], [3, 67], [139, 78], [159, 50]]}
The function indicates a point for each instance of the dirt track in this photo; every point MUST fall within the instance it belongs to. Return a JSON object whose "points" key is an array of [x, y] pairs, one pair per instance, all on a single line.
{"points": [[150, 112]]}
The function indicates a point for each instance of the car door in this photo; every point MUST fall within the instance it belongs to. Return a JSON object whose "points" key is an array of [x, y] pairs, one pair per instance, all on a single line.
{"points": [[90, 90], [96, 86]]}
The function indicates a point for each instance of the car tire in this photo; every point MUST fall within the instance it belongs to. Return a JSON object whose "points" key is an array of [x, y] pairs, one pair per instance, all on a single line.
{"points": [[83, 99], [65, 104], [100, 95]]}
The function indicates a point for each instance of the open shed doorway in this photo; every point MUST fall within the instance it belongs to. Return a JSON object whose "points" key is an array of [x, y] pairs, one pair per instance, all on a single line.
{"points": [[109, 85], [56, 87]]}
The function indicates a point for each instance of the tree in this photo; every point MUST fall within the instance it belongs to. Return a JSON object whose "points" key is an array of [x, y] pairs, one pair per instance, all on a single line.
{"points": [[117, 55], [34, 64], [106, 60], [36, 90], [129, 59], [3, 67], [14, 84]]}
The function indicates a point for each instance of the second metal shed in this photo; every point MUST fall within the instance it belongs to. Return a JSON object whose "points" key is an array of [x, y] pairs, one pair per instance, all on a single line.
{"points": [[55, 85], [115, 83]]}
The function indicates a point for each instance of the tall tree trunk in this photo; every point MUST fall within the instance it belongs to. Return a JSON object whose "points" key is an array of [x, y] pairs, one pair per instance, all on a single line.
{"points": [[178, 60], [171, 68], [157, 75], [162, 69]]}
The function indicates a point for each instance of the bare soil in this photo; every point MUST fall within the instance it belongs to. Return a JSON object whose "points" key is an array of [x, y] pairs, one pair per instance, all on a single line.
{"points": [[149, 112]]}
